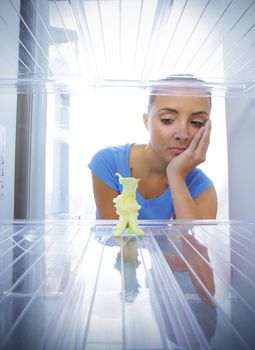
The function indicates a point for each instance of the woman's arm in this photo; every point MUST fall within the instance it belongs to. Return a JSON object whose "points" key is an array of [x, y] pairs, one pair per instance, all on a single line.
{"points": [[104, 196], [203, 206]]}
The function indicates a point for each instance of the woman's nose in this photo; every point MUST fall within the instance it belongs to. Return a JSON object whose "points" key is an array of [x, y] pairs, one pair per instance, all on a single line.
{"points": [[182, 132]]}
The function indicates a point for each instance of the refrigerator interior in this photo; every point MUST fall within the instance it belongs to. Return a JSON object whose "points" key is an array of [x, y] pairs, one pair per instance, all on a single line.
{"points": [[70, 70], [74, 77], [72, 285]]}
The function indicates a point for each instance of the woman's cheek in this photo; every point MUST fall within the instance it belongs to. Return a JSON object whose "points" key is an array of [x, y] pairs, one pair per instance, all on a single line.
{"points": [[192, 133]]}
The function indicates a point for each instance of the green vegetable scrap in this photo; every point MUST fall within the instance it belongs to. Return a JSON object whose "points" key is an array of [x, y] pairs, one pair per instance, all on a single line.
{"points": [[127, 207]]}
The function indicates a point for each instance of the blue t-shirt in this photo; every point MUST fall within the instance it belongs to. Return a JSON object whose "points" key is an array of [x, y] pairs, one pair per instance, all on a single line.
{"points": [[111, 160]]}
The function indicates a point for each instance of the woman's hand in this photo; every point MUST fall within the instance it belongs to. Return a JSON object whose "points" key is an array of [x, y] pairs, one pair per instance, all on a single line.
{"points": [[193, 155], [203, 206]]}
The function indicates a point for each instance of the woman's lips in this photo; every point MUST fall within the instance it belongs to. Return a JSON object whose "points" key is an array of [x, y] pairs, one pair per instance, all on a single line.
{"points": [[176, 150]]}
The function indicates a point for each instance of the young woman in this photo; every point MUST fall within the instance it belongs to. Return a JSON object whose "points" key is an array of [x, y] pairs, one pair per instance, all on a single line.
{"points": [[171, 185]]}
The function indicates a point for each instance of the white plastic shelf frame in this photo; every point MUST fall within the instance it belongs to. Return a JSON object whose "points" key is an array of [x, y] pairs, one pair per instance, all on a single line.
{"points": [[71, 285]]}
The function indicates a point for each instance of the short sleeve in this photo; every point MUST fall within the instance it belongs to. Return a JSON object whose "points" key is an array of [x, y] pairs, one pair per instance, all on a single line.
{"points": [[197, 182], [103, 165]]}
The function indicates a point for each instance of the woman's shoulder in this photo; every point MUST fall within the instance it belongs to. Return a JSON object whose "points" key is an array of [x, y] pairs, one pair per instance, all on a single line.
{"points": [[196, 174], [111, 159], [110, 153], [113, 150], [197, 181]]}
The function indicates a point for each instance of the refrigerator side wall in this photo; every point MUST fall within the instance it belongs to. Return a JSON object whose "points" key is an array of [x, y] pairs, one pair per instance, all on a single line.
{"points": [[240, 114], [31, 114], [8, 103], [7, 134]]}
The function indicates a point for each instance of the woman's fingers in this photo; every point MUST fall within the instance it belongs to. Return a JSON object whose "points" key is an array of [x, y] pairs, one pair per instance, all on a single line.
{"points": [[201, 140], [196, 139]]}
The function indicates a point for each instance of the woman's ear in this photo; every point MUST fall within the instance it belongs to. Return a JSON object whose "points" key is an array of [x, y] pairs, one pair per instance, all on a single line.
{"points": [[145, 121]]}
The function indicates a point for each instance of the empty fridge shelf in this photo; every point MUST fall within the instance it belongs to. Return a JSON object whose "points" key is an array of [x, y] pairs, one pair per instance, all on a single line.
{"points": [[71, 285], [80, 44]]}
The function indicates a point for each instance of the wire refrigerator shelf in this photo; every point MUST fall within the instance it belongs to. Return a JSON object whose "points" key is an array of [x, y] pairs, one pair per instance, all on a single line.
{"points": [[74, 45], [71, 285]]}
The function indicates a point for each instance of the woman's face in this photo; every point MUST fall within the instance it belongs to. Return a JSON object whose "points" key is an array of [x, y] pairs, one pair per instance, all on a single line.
{"points": [[173, 121]]}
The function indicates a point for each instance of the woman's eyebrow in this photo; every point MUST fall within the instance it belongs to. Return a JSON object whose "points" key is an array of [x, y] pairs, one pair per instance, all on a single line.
{"points": [[201, 112], [166, 109], [172, 110]]}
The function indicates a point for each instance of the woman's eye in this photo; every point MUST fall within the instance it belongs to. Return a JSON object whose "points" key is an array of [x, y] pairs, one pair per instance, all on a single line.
{"points": [[166, 121], [197, 124]]}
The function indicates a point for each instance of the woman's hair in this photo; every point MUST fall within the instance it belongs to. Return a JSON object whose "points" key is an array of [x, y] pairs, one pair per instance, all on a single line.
{"points": [[181, 84]]}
